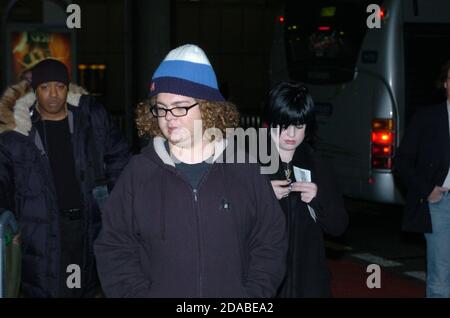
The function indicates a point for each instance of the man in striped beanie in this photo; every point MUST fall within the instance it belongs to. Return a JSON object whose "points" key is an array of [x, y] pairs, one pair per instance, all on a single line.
{"points": [[186, 71], [183, 223]]}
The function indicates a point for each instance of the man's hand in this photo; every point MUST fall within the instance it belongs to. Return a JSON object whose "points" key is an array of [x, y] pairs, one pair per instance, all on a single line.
{"points": [[308, 190], [16, 239], [281, 188], [436, 195]]}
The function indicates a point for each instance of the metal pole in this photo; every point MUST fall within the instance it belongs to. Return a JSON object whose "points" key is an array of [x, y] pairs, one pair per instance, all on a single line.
{"points": [[7, 219], [128, 76]]}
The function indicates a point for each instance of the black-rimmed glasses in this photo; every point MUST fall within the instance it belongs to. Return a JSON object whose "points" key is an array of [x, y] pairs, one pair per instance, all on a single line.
{"points": [[176, 111]]}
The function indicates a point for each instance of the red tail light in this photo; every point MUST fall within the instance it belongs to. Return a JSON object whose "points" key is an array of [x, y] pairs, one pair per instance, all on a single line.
{"points": [[381, 150], [383, 140], [382, 13], [324, 28], [382, 137]]}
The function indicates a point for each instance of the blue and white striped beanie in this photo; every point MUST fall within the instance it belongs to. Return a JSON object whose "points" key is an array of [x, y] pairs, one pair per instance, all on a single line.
{"points": [[186, 71]]}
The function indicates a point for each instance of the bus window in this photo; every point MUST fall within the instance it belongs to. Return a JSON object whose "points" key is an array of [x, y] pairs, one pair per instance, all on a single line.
{"points": [[323, 39]]}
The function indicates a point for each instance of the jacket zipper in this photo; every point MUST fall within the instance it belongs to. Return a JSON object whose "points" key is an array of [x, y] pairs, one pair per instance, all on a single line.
{"points": [[200, 256], [199, 232], [195, 195], [197, 216]]}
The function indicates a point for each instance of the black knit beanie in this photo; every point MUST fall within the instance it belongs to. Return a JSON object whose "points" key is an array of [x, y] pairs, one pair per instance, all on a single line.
{"points": [[49, 70]]}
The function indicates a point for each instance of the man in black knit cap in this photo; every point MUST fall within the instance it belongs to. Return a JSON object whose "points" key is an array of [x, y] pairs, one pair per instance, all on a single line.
{"points": [[59, 154]]}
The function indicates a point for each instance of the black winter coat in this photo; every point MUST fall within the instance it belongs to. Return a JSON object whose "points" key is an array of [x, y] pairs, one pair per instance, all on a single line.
{"points": [[27, 188], [160, 238], [422, 163], [307, 272]]}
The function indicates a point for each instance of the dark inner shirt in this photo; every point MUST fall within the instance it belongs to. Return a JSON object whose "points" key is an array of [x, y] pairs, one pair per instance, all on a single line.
{"points": [[193, 172], [57, 141]]}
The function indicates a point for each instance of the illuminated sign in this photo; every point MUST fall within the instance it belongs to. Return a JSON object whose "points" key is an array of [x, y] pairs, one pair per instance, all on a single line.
{"points": [[328, 12], [30, 47]]}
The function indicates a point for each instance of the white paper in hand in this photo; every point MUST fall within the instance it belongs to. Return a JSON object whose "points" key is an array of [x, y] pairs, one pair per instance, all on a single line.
{"points": [[302, 175]]}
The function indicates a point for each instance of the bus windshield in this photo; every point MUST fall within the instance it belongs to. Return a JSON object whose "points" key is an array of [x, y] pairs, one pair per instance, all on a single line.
{"points": [[323, 39]]}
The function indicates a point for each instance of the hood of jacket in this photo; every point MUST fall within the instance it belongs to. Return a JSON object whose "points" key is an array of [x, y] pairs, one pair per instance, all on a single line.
{"points": [[158, 151], [16, 104]]}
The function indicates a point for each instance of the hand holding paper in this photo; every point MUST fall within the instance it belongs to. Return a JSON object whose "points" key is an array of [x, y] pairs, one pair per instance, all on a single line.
{"points": [[302, 175], [304, 184], [306, 187]]}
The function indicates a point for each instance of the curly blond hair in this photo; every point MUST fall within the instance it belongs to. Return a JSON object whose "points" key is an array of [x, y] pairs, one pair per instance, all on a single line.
{"points": [[219, 115]]}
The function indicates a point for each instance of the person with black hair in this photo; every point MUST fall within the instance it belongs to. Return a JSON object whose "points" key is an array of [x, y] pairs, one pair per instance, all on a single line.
{"points": [[305, 189], [60, 152], [422, 164]]}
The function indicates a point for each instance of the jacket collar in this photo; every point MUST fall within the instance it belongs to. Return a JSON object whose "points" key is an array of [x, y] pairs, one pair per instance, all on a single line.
{"points": [[18, 113], [166, 158]]}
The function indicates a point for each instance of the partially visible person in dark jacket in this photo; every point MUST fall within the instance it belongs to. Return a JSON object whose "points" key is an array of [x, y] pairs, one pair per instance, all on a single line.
{"points": [[56, 146], [306, 190], [423, 165], [182, 221]]}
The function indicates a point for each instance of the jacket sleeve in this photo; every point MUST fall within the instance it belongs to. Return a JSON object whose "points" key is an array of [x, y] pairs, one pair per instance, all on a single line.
{"points": [[267, 243], [328, 203], [6, 178], [407, 155], [117, 246], [116, 151]]}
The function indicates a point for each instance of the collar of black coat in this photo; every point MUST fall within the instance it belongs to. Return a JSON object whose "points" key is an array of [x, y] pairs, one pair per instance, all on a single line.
{"points": [[303, 156], [17, 102]]}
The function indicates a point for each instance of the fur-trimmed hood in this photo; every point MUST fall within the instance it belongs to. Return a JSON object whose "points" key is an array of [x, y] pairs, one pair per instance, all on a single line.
{"points": [[16, 102]]}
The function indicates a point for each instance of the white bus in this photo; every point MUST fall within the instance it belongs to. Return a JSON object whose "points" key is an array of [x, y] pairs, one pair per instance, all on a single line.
{"points": [[366, 82]]}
